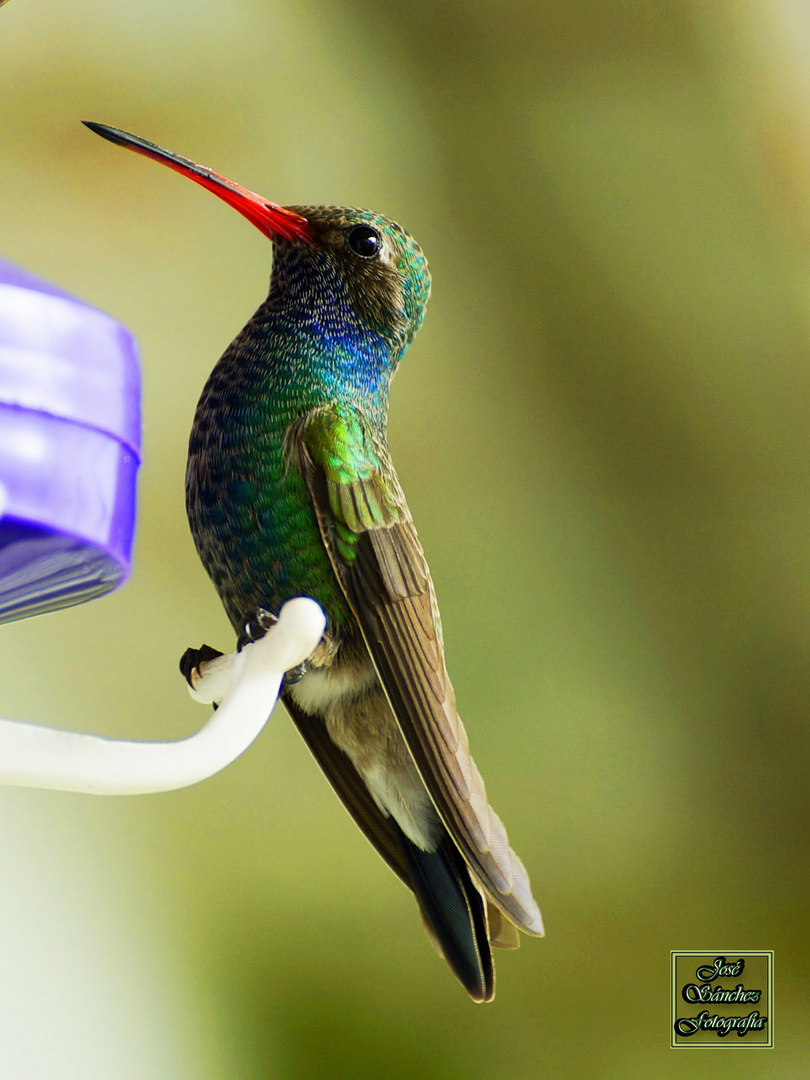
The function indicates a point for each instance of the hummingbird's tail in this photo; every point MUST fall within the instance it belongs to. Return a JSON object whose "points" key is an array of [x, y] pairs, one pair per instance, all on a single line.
{"points": [[454, 913]]}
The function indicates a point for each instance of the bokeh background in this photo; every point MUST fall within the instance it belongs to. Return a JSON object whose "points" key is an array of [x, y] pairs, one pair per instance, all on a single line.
{"points": [[603, 433]]}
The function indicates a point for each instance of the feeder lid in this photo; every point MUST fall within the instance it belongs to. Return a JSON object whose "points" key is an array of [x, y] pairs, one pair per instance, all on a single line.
{"points": [[69, 447], [63, 358]]}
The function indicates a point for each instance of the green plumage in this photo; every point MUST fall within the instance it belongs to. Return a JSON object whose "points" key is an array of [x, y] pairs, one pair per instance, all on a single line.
{"points": [[291, 491], [330, 333]]}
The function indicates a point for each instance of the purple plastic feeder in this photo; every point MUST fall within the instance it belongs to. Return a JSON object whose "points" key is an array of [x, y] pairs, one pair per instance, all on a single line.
{"points": [[69, 448]]}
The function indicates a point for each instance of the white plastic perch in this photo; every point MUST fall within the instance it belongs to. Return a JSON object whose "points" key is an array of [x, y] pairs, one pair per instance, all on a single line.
{"points": [[248, 684]]}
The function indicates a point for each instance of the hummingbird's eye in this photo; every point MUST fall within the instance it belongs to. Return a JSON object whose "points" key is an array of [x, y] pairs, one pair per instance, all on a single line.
{"points": [[365, 241]]}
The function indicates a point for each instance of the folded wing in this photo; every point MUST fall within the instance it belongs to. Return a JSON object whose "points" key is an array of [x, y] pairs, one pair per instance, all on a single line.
{"points": [[379, 562]]}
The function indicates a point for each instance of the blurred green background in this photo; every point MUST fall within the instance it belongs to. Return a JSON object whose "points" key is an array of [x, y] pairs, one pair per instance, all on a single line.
{"points": [[603, 433]]}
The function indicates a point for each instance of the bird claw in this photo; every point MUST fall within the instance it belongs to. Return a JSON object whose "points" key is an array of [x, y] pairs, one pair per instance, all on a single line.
{"points": [[295, 674], [192, 658], [254, 627]]}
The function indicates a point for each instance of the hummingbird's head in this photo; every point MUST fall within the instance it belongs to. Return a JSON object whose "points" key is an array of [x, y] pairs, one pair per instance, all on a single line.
{"points": [[368, 261], [354, 263]]}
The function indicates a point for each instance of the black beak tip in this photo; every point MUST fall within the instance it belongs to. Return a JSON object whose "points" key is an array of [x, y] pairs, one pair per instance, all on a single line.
{"points": [[104, 131]]}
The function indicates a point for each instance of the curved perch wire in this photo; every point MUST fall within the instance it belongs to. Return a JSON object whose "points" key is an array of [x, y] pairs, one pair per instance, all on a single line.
{"points": [[248, 682]]}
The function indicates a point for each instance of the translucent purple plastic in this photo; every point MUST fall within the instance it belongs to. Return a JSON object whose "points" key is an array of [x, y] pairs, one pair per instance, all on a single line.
{"points": [[69, 447]]}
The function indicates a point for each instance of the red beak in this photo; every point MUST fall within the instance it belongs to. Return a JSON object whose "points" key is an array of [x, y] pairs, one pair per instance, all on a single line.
{"points": [[273, 220]]}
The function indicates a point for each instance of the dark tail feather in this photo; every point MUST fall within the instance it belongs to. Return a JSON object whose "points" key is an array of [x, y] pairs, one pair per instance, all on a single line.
{"points": [[454, 910]]}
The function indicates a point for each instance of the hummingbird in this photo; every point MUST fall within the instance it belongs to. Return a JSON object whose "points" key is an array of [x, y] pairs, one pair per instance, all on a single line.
{"points": [[291, 491]]}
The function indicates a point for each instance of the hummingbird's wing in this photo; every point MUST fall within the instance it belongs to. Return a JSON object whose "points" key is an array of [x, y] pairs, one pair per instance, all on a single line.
{"points": [[378, 829], [371, 540]]}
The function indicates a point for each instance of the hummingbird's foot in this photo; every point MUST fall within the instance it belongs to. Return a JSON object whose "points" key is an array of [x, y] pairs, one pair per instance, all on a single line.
{"points": [[295, 674], [190, 663], [254, 627]]}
